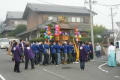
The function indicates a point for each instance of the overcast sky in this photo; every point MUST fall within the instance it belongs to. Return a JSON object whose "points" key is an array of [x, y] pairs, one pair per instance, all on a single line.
{"points": [[103, 12]]}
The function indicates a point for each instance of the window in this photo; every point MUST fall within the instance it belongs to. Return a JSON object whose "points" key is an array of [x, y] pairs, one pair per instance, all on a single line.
{"points": [[73, 19], [55, 19], [52, 18], [81, 19], [78, 19], [69, 19]]}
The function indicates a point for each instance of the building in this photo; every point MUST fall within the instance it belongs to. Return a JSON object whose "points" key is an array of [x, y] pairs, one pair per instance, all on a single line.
{"points": [[12, 20], [68, 17]]}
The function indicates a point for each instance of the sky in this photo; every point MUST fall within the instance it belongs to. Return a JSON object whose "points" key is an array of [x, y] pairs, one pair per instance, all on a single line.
{"points": [[103, 16]]}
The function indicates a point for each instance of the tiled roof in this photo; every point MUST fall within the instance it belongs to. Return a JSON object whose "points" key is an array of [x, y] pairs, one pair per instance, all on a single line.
{"points": [[57, 8], [14, 15]]}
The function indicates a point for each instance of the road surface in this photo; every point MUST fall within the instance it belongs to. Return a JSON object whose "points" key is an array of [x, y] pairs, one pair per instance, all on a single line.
{"points": [[95, 70]]}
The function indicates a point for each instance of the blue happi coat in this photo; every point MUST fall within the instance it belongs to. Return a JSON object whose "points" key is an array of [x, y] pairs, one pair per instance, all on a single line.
{"points": [[58, 48], [53, 49], [45, 47], [65, 48], [69, 49], [35, 48]]}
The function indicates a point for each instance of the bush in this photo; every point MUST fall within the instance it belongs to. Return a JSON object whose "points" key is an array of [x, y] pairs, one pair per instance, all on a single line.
{"points": [[85, 39], [37, 40]]}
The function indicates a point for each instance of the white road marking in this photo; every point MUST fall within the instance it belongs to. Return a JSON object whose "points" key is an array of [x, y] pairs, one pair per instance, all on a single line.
{"points": [[100, 67], [55, 74], [117, 77], [2, 77]]}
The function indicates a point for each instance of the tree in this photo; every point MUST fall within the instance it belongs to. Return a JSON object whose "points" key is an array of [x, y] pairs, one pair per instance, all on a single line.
{"points": [[98, 30], [20, 28], [1, 35]]}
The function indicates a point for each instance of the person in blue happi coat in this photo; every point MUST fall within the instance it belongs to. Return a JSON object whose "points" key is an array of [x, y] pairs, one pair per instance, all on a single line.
{"points": [[53, 53], [69, 49], [35, 49], [40, 53], [73, 55], [65, 52], [91, 51], [58, 48], [87, 49], [46, 53]]}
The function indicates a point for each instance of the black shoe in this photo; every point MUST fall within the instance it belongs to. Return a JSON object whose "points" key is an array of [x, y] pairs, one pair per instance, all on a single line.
{"points": [[33, 68], [25, 68]]}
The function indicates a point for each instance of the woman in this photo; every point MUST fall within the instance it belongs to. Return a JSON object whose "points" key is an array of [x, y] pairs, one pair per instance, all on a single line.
{"points": [[111, 55], [17, 57]]}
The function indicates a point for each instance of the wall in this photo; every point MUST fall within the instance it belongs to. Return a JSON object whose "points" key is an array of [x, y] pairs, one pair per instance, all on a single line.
{"points": [[33, 20]]}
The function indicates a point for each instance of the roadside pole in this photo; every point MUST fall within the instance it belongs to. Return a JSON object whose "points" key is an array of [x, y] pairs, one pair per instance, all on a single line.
{"points": [[91, 25]]}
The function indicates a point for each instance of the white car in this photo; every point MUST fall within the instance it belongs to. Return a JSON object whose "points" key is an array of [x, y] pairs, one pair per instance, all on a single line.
{"points": [[4, 43]]}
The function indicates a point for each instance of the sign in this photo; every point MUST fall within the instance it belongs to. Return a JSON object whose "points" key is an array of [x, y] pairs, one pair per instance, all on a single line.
{"points": [[61, 18]]}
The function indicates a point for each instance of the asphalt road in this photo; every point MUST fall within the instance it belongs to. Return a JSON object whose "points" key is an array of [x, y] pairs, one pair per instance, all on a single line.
{"points": [[95, 70]]}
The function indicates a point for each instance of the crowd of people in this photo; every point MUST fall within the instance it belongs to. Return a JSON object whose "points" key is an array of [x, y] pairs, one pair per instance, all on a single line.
{"points": [[57, 52], [46, 53]]}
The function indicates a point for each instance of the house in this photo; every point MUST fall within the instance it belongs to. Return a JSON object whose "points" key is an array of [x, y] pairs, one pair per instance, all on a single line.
{"points": [[12, 20], [68, 17]]}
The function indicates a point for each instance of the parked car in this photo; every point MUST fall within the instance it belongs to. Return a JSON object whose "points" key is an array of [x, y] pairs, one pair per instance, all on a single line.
{"points": [[4, 43], [17, 40]]}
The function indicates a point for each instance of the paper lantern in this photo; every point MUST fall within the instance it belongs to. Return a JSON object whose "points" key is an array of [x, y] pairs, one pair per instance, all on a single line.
{"points": [[48, 37], [51, 37], [76, 36], [44, 33], [56, 26], [79, 36], [56, 34], [57, 29], [48, 28], [49, 32], [60, 32]]}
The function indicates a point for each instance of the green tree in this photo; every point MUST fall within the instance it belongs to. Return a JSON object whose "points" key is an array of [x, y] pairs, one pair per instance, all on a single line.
{"points": [[1, 35], [98, 30], [20, 28]]}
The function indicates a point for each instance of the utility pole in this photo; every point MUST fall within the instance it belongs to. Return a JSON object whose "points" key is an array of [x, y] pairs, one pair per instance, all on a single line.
{"points": [[91, 24], [112, 22]]}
